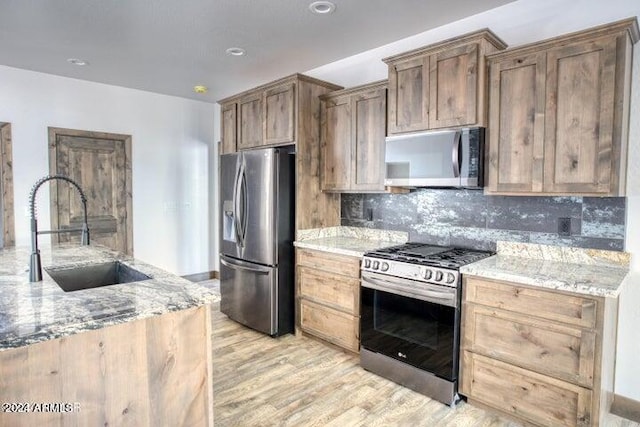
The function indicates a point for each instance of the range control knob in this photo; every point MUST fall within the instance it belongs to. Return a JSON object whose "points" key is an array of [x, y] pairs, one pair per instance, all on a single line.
{"points": [[427, 274], [367, 263], [376, 265], [438, 276], [384, 266], [450, 278]]}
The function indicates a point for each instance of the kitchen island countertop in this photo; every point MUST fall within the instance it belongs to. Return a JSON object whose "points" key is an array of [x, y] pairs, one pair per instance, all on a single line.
{"points": [[41, 311]]}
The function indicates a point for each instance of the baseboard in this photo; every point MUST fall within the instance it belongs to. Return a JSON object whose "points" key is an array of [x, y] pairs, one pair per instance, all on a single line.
{"points": [[626, 408], [199, 277]]}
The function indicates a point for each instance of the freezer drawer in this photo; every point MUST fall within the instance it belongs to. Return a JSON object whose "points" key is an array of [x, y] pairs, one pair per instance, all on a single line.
{"points": [[249, 294]]}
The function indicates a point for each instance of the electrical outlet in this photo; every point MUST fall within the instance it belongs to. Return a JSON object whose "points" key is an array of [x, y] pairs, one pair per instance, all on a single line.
{"points": [[369, 214], [564, 226]]}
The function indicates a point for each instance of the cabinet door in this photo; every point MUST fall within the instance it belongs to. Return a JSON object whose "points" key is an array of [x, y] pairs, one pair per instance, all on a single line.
{"points": [[250, 128], [564, 352], [229, 127], [279, 105], [536, 398], [336, 144], [579, 117], [409, 95], [369, 110], [516, 122], [453, 83]]}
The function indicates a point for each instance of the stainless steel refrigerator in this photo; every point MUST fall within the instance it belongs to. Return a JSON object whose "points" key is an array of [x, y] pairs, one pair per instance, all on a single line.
{"points": [[257, 191]]}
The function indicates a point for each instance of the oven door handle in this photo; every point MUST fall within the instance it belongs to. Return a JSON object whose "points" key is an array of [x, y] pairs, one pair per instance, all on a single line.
{"points": [[443, 298]]}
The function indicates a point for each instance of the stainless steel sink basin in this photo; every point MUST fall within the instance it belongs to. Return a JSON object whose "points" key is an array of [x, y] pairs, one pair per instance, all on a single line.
{"points": [[94, 275]]}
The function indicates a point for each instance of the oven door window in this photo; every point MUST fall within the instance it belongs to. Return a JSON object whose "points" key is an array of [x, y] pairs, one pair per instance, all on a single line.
{"points": [[417, 332]]}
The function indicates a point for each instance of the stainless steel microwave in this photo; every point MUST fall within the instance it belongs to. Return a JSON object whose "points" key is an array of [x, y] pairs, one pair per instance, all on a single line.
{"points": [[449, 158]]}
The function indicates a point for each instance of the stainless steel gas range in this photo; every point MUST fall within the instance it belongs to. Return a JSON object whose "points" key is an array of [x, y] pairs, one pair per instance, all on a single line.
{"points": [[410, 316]]}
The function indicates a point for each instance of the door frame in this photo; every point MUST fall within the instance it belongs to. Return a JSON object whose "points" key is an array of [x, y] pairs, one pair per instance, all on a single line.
{"points": [[6, 186], [53, 154]]}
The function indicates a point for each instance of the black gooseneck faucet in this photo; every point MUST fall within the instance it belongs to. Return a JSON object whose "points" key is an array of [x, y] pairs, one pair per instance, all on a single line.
{"points": [[35, 266]]}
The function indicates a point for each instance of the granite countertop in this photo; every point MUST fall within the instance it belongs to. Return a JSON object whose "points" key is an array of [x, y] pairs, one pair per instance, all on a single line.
{"points": [[583, 271], [40, 311], [350, 241]]}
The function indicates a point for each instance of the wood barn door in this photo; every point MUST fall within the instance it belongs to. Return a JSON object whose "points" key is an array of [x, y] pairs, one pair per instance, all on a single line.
{"points": [[101, 164]]}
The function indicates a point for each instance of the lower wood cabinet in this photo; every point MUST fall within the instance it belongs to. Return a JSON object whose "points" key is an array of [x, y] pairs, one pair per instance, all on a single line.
{"points": [[328, 297], [541, 356]]}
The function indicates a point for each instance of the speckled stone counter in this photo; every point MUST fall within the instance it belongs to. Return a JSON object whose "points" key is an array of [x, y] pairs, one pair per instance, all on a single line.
{"points": [[40, 311], [350, 241], [584, 271]]}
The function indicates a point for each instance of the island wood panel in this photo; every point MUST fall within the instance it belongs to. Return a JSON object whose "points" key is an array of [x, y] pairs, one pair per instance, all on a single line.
{"points": [[516, 120], [330, 289], [148, 372], [526, 395], [566, 353], [409, 95], [336, 137], [579, 117], [335, 326], [314, 208], [101, 164], [6, 178], [325, 261], [369, 130], [279, 114], [250, 127], [453, 80], [228, 127], [568, 308]]}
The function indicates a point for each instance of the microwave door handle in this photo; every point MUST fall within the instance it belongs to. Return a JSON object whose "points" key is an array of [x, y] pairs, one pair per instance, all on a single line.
{"points": [[455, 154]]}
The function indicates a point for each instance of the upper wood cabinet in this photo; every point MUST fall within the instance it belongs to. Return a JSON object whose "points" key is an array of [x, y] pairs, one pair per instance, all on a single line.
{"points": [[285, 112], [266, 116], [228, 128], [279, 108], [559, 112], [441, 85], [352, 139]]}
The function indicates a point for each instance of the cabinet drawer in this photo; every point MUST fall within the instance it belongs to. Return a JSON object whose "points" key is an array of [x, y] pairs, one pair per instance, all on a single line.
{"points": [[560, 351], [524, 394], [332, 325], [549, 305], [329, 288], [340, 264]]}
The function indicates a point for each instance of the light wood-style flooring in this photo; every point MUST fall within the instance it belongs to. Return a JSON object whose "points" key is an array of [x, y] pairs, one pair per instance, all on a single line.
{"points": [[298, 381]]}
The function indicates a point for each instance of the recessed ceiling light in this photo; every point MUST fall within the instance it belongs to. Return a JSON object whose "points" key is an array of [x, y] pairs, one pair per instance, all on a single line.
{"points": [[77, 61], [322, 7], [200, 89], [235, 51]]}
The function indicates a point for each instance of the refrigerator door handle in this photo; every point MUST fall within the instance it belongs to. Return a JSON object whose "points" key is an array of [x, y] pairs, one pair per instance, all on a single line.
{"points": [[236, 207], [240, 265], [245, 204]]}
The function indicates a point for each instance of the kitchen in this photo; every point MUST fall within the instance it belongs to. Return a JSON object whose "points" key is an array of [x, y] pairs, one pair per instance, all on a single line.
{"points": [[185, 247]]}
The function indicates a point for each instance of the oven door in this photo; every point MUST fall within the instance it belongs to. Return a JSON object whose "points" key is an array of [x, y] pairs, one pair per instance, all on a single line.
{"points": [[412, 322]]}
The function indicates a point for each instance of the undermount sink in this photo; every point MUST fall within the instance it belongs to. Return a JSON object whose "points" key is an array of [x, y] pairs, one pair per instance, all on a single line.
{"points": [[94, 275]]}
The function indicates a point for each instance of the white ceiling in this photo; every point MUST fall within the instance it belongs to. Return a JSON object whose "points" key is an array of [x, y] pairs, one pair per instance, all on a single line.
{"points": [[168, 46]]}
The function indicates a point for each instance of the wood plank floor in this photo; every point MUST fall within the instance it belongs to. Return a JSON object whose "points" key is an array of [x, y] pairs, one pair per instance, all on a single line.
{"points": [[298, 381]]}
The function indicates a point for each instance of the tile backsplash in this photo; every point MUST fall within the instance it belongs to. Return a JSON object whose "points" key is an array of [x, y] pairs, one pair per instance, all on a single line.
{"points": [[469, 218]]}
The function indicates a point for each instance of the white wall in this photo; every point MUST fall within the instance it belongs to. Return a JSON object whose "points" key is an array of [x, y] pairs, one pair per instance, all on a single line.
{"points": [[523, 22], [172, 139]]}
